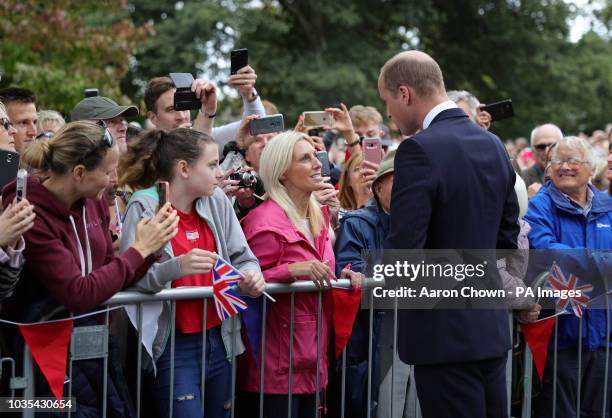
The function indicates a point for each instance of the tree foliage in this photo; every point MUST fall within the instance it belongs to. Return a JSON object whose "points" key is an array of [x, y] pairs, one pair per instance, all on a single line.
{"points": [[59, 48]]}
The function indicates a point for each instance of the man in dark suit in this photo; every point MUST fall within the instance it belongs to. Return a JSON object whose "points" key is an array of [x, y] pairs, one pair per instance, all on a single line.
{"points": [[453, 189]]}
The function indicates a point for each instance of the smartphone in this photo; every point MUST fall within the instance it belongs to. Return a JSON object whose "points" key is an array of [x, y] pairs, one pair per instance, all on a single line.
{"points": [[325, 165], [239, 58], [22, 183], [318, 119], [267, 124], [372, 150], [9, 166], [499, 110], [184, 98], [163, 191]]}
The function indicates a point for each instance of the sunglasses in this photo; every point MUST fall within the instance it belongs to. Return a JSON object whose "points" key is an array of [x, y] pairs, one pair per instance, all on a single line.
{"points": [[6, 123], [107, 140], [45, 134], [107, 137], [542, 147]]}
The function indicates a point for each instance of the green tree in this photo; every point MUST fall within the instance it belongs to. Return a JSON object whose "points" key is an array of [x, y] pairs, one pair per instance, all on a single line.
{"points": [[59, 48]]}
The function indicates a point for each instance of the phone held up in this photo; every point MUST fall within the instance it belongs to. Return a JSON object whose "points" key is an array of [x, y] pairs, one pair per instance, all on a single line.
{"points": [[22, 182], [163, 191], [323, 157], [239, 58], [372, 150], [499, 110], [267, 124], [184, 98], [318, 119]]}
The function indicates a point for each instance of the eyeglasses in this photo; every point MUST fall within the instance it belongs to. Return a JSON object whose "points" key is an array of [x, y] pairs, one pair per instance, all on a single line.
{"points": [[542, 147], [571, 162], [6, 123]]}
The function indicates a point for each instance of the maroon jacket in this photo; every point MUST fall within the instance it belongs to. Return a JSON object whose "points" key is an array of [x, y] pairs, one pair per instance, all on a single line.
{"points": [[53, 261]]}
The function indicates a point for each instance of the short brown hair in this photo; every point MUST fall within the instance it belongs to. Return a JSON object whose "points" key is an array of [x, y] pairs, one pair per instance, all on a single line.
{"points": [[364, 115], [414, 69], [155, 88]]}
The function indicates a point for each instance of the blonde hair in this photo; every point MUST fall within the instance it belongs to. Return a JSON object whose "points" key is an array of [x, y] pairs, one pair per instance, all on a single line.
{"points": [[276, 159], [76, 143], [347, 197], [3, 110], [365, 115], [49, 117]]}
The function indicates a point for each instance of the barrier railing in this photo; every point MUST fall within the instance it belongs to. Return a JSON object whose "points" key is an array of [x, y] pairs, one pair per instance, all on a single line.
{"points": [[409, 408]]}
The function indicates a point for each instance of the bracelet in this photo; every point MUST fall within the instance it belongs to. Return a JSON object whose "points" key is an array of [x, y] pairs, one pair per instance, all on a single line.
{"points": [[208, 115], [352, 144]]}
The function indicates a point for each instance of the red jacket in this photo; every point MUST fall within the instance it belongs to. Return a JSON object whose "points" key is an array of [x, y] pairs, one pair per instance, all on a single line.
{"points": [[276, 242], [53, 262]]}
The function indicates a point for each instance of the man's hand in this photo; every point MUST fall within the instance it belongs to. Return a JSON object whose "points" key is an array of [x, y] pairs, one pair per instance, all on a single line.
{"points": [[244, 80], [206, 92], [528, 316], [342, 122], [483, 118], [229, 186], [356, 278], [244, 139]]}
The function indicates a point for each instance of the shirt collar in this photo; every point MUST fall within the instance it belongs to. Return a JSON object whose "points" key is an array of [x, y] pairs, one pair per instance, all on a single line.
{"points": [[585, 210], [441, 107]]}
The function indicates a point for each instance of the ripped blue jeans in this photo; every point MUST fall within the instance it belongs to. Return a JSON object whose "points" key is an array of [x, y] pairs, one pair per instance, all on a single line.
{"points": [[187, 376]]}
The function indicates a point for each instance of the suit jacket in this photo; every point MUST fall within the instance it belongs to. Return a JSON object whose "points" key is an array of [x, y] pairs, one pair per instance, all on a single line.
{"points": [[453, 189]]}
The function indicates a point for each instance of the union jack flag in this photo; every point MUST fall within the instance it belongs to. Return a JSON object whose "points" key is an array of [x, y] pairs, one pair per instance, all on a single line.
{"points": [[227, 301], [556, 280]]}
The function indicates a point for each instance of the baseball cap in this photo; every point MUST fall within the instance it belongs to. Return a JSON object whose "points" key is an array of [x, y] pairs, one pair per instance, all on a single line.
{"points": [[386, 165], [100, 107]]}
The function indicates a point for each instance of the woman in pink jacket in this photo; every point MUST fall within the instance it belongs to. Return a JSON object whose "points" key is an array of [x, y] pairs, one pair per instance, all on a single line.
{"points": [[289, 234]]}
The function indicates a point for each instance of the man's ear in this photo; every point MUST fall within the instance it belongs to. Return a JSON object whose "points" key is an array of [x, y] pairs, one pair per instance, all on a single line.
{"points": [[405, 94], [152, 117]]}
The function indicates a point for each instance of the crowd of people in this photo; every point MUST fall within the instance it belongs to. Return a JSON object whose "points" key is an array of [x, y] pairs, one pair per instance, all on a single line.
{"points": [[93, 223]]}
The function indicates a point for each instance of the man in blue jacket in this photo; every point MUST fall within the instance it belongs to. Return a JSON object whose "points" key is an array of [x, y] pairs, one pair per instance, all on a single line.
{"points": [[453, 189], [570, 214]]}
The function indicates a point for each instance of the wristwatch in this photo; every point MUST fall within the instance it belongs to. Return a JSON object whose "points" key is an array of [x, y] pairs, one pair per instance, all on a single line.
{"points": [[254, 96]]}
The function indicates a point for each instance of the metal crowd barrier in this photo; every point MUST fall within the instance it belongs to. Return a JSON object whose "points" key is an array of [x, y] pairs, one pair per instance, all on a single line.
{"points": [[411, 408]]}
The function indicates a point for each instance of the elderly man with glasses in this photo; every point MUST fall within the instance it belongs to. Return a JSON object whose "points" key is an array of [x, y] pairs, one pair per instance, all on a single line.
{"points": [[568, 215]]}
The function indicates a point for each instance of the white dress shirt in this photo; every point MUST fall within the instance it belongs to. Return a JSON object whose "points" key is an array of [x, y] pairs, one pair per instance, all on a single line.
{"points": [[449, 104]]}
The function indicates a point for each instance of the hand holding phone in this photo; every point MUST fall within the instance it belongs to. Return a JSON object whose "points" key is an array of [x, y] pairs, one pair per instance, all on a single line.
{"points": [[499, 110], [323, 157], [318, 119], [266, 125], [22, 182], [163, 191], [372, 150], [239, 58], [184, 98]]}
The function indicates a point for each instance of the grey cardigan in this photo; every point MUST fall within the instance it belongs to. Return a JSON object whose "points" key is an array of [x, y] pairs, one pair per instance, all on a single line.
{"points": [[231, 244]]}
